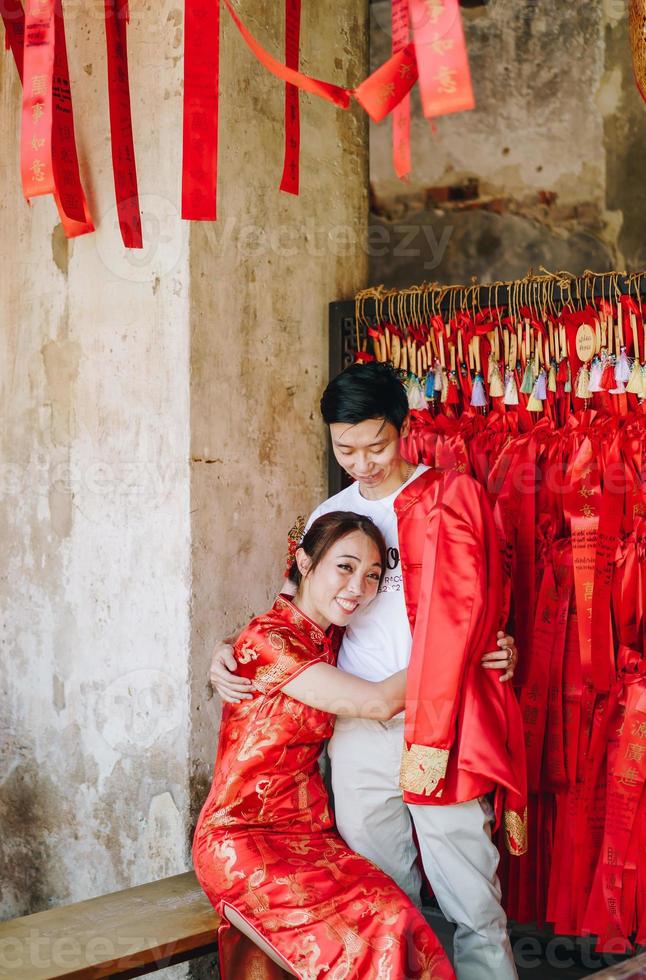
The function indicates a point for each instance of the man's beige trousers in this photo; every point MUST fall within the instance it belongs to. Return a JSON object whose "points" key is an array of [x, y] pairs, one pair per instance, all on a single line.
{"points": [[459, 858]]}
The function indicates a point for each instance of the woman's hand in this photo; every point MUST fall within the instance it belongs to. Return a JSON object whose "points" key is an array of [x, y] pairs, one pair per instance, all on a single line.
{"points": [[505, 658], [223, 678]]}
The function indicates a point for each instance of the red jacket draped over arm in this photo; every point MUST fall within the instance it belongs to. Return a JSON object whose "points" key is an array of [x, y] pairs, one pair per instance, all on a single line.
{"points": [[464, 735]]}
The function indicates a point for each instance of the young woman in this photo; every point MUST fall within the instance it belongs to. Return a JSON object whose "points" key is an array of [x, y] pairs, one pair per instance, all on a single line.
{"points": [[265, 850]]}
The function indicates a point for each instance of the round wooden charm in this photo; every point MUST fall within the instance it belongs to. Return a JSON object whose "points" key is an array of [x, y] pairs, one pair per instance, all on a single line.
{"points": [[586, 343]]}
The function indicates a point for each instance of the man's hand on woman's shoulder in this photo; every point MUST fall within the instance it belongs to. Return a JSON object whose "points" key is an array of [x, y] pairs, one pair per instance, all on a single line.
{"points": [[222, 676]]}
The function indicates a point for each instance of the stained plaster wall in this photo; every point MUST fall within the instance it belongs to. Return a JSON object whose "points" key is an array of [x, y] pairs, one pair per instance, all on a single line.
{"points": [[160, 432], [94, 523], [261, 279], [545, 170]]}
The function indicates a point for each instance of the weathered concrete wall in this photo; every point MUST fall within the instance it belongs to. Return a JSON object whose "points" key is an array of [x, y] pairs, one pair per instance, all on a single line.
{"points": [[545, 170], [261, 279], [94, 523], [160, 434]]}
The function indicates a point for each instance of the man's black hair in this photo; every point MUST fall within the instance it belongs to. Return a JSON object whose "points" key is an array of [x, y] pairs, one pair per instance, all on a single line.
{"points": [[365, 391]]}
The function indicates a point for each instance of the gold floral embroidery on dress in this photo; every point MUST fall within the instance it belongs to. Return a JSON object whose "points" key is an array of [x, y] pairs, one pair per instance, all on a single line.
{"points": [[422, 768], [301, 781], [256, 740], [298, 619], [222, 817], [516, 831], [246, 653], [225, 851], [271, 675]]}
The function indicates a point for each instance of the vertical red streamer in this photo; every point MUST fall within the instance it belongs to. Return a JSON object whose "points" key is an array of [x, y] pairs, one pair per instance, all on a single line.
{"points": [[69, 191], [291, 169], [36, 149], [124, 164], [401, 112], [13, 18], [48, 159], [444, 77], [201, 98]]}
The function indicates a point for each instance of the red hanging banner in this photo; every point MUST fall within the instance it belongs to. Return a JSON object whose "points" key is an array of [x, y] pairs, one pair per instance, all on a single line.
{"points": [[382, 91], [291, 168], [36, 151], [123, 150], [401, 113], [201, 109], [14, 21], [582, 503], [13, 18], [69, 196], [444, 76]]}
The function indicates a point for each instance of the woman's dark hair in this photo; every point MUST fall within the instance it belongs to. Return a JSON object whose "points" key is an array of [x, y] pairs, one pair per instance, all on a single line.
{"points": [[365, 391], [326, 531]]}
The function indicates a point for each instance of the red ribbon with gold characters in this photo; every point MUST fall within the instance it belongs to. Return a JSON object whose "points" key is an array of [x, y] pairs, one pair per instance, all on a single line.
{"points": [[36, 150], [49, 163], [444, 76], [75, 215], [123, 150], [582, 504], [382, 91], [201, 109], [401, 113], [331, 93], [291, 168]]}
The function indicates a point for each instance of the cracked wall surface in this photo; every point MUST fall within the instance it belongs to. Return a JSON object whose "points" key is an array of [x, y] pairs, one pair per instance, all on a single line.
{"points": [[546, 169], [94, 502], [261, 281], [160, 435]]}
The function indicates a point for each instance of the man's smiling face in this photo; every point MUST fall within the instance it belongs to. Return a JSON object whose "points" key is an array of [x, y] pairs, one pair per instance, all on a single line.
{"points": [[369, 453]]}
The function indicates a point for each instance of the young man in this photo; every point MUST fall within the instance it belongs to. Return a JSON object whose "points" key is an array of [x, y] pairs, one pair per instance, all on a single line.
{"points": [[430, 775]]}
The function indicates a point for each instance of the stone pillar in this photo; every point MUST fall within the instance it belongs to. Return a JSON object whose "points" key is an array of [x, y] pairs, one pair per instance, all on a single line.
{"points": [[261, 279], [160, 434]]}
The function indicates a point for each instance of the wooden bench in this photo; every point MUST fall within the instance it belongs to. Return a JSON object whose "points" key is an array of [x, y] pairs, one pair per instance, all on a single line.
{"points": [[634, 969], [134, 932], [124, 934]]}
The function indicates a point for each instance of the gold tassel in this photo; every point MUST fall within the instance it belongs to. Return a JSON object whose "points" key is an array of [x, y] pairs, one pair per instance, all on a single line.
{"points": [[582, 385], [551, 377], [395, 351], [635, 385], [496, 387], [534, 404]]}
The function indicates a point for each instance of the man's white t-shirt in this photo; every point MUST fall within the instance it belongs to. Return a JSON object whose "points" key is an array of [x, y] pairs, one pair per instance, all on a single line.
{"points": [[377, 641]]}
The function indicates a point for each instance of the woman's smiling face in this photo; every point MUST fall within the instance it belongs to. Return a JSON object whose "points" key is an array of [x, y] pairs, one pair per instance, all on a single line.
{"points": [[346, 578]]}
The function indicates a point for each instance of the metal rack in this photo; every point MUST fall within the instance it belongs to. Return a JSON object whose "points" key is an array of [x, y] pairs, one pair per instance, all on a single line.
{"points": [[345, 331]]}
